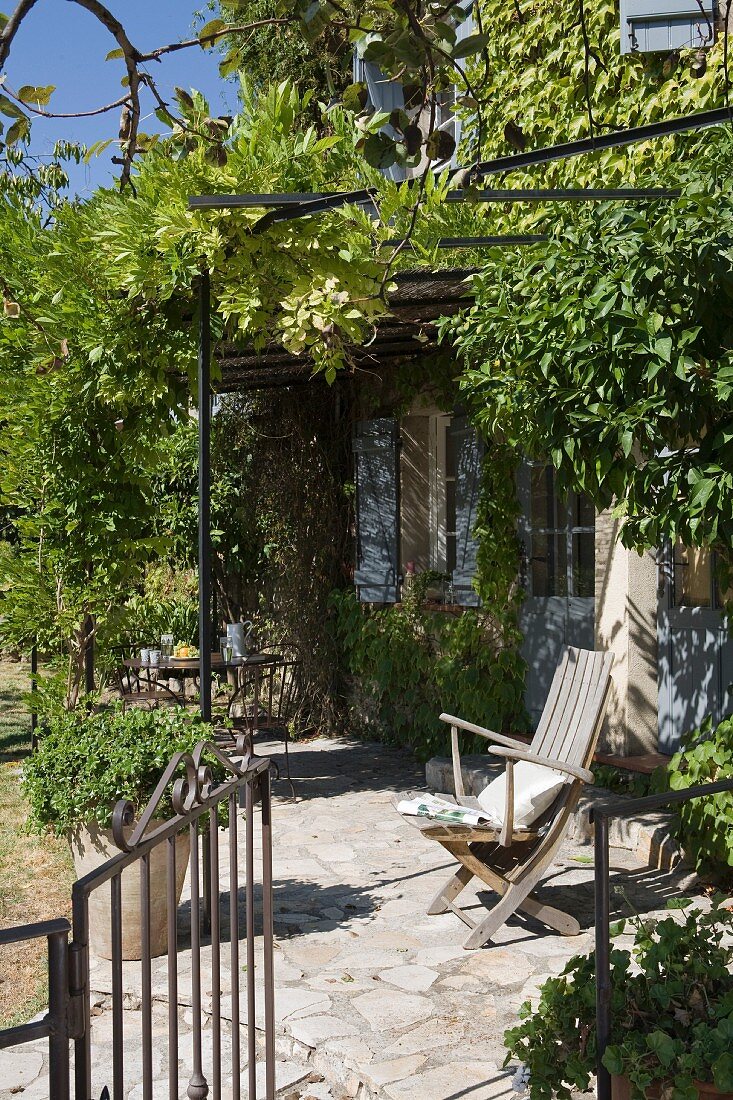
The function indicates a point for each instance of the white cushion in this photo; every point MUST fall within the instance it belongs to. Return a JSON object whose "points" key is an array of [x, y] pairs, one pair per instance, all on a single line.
{"points": [[535, 788]]}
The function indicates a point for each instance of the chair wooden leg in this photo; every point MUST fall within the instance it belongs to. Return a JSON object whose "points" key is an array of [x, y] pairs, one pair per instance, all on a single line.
{"points": [[499, 915], [443, 900], [553, 918]]}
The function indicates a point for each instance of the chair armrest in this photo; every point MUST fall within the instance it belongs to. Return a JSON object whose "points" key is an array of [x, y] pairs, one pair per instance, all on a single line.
{"points": [[545, 762], [480, 731]]}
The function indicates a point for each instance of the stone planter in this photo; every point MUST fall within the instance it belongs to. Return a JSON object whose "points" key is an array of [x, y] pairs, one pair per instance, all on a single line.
{"points": [[621, 1090], [90, 848]]}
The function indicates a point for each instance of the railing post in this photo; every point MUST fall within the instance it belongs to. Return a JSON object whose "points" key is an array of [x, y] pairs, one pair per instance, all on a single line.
{"points": [[79, 993], [204, 564], [603, 958], [267, 934], [58, 1015]]}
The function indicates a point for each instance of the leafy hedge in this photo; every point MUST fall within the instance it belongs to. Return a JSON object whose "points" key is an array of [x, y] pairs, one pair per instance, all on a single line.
{"points": [[85, 763]]}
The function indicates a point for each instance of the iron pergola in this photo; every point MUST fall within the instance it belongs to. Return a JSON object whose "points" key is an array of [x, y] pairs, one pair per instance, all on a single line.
{"points": [[287, 207]]}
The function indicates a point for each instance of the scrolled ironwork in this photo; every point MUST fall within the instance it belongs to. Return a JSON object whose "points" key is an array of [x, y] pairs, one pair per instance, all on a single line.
{"points": [[188, 793]]}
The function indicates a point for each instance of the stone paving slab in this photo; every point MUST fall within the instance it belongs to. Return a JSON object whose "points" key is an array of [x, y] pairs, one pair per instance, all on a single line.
{"points": [[374, 1000]]}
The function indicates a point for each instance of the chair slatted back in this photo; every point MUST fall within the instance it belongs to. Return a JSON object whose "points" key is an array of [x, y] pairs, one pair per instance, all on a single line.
{"points": [[571, 720]]}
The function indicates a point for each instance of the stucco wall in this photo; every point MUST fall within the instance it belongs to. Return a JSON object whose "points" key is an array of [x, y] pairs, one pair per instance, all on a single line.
{"points": [[626, 623]]}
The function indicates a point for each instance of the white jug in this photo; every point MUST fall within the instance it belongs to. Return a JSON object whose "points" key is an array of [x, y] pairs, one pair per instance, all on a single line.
{"points": [[238, 636]]}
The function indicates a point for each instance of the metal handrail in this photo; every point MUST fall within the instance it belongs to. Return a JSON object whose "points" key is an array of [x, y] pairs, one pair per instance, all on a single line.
{"points": [[600, 816], [55, 1024]]}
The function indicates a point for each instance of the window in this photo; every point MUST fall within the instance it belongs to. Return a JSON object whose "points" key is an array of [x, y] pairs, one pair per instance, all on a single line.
{"points": [[562, 531], [417, 488], [695, 578], [442, 483]]}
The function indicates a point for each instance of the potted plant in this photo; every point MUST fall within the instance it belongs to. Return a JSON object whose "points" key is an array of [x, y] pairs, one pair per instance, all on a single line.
{"points": [[672, 1015], [84, 765]]}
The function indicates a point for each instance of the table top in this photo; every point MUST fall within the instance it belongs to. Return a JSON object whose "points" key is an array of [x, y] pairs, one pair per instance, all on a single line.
{"points": [[192, 664]]}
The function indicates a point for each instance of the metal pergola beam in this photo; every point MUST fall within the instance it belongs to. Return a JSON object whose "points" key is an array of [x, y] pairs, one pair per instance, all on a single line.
{"points": [[476, 242], [700, 120], [296, 199]]}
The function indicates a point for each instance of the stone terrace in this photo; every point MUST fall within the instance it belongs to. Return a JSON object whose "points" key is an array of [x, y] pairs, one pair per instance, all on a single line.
{"points": [[374, 999]]}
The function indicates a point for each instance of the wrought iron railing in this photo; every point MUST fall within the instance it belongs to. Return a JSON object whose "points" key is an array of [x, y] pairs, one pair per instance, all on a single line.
{"points": [[601, 815], [200, 807], [54, 1025]]}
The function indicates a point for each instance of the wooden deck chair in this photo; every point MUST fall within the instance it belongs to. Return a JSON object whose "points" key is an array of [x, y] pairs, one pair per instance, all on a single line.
{"points": [[513, 862]]}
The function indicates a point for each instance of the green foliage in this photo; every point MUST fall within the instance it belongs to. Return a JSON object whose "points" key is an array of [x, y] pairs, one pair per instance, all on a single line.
{"points": [[410, 665], [531, 82], [266, 56], [671, 1011], [706, 824], [612, 358], [85, 763]]}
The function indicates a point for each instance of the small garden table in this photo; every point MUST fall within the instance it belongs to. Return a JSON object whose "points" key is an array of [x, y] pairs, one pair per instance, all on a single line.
{"points": [[181, 667]]}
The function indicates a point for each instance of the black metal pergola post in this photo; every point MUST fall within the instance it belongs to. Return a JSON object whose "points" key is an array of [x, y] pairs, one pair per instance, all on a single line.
{"points": [[204, 402]]}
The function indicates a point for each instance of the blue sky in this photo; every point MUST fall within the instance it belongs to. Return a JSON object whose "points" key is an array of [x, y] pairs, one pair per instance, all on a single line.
{"points": [[62, 44]]}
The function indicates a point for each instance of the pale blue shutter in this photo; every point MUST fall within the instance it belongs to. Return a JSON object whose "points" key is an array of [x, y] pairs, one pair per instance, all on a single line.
{"points": [[377, 510], [651, 26], [469, 454], [384, 95], [463, 30]]}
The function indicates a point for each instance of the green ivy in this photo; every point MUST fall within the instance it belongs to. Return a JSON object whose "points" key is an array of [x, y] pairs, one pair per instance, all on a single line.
{"points": [[411, 665], [706, 824], [671, 1010]]}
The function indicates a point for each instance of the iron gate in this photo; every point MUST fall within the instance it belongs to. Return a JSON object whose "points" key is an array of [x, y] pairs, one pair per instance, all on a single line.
{"points": [[200, 806]]}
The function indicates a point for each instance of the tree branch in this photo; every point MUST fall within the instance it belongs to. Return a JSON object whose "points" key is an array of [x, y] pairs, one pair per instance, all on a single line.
{"points": [[172, 47], [12, 27], [66, 114]]}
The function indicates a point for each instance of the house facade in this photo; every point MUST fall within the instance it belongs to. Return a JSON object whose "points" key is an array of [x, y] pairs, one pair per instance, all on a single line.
{"points": [[660, 613]]}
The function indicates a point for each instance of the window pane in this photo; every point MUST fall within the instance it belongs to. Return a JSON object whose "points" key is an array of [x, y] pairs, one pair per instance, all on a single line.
{"points": [[584, 514], [692, 576], [584, 566], [543, 506], [549, 565]]}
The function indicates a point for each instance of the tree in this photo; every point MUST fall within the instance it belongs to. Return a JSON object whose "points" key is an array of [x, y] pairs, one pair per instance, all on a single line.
{"points": [[97, 344], [612, 357], [410, 39], [264, 57]]}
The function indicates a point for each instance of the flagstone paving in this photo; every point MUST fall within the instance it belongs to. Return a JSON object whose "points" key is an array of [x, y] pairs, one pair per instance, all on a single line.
{"points": [[373, 998]]}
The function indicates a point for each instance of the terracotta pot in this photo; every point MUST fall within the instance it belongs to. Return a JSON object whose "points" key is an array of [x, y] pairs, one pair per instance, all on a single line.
{"points": [[91, 847], [621, 1090]]}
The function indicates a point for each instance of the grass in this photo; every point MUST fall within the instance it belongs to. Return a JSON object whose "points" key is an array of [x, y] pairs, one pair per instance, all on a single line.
{"points": [[35, 872]]}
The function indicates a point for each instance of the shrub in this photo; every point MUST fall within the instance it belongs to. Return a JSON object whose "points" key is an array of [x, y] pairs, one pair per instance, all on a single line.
{"points": [[671, 1012], [706, 824], [85, 763]]}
